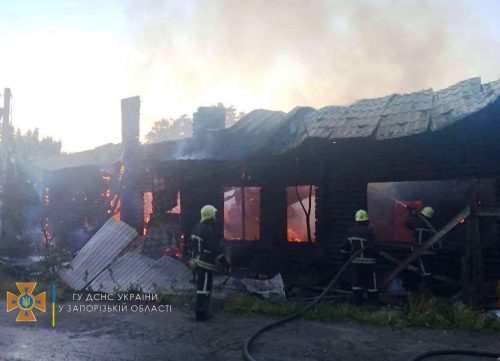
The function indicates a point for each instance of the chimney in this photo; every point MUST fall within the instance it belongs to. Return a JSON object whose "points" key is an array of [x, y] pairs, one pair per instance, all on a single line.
{"points": [[208, 118], [132, 203], [130, 122]]}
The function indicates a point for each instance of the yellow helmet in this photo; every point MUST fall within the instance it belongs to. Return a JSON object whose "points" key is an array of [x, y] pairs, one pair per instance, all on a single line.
{"points": [[427, 211], [361, 216], [208, 212]]}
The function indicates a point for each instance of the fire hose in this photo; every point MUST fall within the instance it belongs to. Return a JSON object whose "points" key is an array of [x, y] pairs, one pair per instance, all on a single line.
{"points": [[458, 353], [248, 342]]}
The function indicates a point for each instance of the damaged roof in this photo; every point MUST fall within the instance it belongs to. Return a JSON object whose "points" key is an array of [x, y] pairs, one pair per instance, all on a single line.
{"points": [[273, 132], [388, 117], [397, 115], [104, 155], [257, 129]]}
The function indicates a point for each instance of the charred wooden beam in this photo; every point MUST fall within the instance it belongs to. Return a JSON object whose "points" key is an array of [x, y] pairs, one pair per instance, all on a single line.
{"points": [[439, 235]]}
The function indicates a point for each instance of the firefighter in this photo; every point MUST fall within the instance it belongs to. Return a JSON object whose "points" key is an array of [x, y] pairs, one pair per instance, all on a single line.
{"points": [[420, 224], [363, 276], [205, 254]]}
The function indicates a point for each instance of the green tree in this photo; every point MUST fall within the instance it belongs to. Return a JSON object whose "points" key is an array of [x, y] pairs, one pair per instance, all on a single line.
{"points": [[21, 198], [182, 127], [170, 129]]}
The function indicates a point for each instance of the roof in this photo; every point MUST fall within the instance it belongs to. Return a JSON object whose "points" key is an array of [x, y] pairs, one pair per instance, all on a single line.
{"points": [[249, 135], [388, 117], [104, 155], [272, 132], [397, 115]]}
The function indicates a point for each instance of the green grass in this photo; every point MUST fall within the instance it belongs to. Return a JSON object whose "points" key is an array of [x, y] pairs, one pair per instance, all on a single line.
{"points": [[424, 312], [421, 311]]}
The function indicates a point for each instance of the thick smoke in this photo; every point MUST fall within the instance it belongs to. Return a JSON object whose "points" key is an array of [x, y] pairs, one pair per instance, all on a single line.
{"points": [[278, 54]]}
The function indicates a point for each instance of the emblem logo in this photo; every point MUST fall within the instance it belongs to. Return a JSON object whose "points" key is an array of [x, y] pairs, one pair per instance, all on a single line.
{"points": [[26, 302]]}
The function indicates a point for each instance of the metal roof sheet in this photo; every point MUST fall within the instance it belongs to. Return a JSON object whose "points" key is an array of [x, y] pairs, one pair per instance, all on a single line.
{"points": [[134, 271], [256, 129], [166, 275], [293, 130], [99, 252], [460, 100], [122, 274], [398, 115]]}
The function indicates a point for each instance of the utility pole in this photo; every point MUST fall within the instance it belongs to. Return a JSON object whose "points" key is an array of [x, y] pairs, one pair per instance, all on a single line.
{"points": [[4, 150]]}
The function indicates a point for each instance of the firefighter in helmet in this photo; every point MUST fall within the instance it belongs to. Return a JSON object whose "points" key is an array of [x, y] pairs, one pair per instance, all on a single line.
{"points": [[206, 252], [420, 223], [363, 276]]}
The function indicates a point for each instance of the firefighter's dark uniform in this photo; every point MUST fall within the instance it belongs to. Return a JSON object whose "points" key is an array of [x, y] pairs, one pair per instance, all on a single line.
{"points": [[206, 250], [363, 276], [422, 232]]}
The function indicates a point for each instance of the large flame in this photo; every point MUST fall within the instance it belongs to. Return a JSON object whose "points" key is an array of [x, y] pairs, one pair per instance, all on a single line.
{"points": [[113, 199]]}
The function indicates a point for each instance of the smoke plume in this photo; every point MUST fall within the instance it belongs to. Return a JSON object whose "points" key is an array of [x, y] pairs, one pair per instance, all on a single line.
{"points": [[278, 54]]}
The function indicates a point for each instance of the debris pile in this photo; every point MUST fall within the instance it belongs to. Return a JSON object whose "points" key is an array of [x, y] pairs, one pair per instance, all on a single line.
{"points": [[103, 266]]}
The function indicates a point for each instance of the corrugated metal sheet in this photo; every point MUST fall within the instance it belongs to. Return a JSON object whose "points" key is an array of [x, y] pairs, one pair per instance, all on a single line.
{"points": [[167, 275], [122, 274], [99, 252], [137, 272]]}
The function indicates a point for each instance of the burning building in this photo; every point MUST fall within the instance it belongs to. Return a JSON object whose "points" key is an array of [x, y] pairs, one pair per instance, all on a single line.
{"points": [[288, 184]]}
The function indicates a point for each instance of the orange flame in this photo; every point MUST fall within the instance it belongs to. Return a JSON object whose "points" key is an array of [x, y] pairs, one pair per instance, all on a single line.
{"points": [[148, 210], [294, 236]]}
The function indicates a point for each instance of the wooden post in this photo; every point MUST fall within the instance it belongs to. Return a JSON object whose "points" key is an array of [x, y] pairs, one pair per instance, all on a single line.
{"points": [[427, 244], [243, 215], [472, 262]]}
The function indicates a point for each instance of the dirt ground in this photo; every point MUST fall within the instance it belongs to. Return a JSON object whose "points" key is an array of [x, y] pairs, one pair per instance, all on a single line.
{"points": [[176, 336]]}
